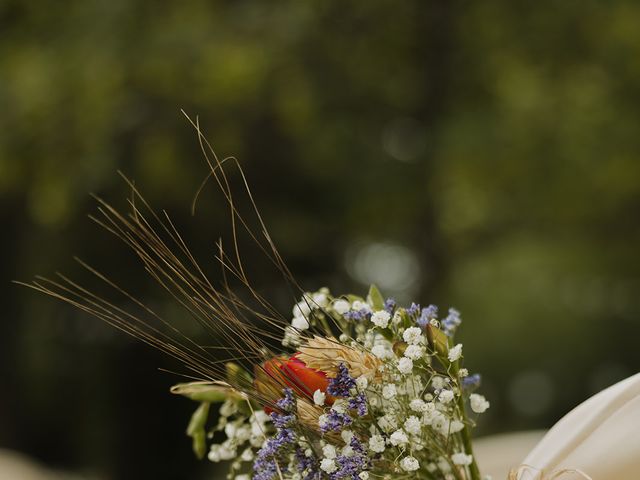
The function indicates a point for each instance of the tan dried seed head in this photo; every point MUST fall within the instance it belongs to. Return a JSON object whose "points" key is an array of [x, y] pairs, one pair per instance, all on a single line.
{"points": [[326, 354]]}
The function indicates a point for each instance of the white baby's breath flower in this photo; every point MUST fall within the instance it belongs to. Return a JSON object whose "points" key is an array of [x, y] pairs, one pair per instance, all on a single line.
{"points": [[291, 337], [456, 426], [319, 397], [347, 451], [221, 452], [418, 405], [437, 420], [405, 365], [413, 336], [230, 430], [247, 455], [461, 459], [329, 451], [360, 305], [437, 383], [380, 351], [214, 454], [363, 475], [409, 464], [362, 383], [381, 318], [455, 353], [300, 323], [322, 420], [339, 406], [257, 421], [341, 306], [346, 436], [243, 433], [389, 391], [463, 372], [479, 404], [376, 443], [328, 465], [413, 425], [443, 425], [446, 396], [302, 308], [320, 299], [414, 352], [387, 422], [398, 438]]}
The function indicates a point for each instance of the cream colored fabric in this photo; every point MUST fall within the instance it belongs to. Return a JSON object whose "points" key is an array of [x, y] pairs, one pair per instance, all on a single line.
{"points": [[497, 454], [600, 437]]}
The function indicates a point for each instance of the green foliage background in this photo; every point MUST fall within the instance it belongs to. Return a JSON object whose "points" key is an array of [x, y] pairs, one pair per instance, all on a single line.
{"points": [[494, 145]]}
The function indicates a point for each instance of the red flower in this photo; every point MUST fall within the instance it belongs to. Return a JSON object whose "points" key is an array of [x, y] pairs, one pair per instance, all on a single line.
{"points": [[303, 379], [278, 373]]}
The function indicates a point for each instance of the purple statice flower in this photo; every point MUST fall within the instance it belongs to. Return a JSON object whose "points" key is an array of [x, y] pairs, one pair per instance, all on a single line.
{"points": [[265, 466], [342, 383], [427, 314], [451, 322], [350, 467], [471, 382], [336, 422], [285, 436], [307, 464], [358, 315], [357, 446], [282, 421], [390, 305], [264, 469], [358, 403], [413, 309], [288, 402]]}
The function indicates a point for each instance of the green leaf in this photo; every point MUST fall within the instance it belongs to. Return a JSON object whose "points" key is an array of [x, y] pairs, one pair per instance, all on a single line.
{"points": [[196, 430], [405, 318], [212, 392], [375, 298], [438, 341]]}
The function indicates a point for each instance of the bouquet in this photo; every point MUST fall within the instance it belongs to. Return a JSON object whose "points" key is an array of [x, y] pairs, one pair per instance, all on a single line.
{"points": [[373, 390], [347, 387]]}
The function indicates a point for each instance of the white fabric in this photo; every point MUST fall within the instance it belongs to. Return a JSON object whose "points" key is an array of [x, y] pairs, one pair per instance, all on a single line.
{"points": [[600, 437]]}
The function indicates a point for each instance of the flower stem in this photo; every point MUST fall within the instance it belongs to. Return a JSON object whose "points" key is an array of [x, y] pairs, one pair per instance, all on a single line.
{"points": [[466, 441]]}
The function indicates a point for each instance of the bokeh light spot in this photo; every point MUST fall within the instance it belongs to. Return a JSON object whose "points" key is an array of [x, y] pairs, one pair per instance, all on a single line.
{"points": [[392, 267]]}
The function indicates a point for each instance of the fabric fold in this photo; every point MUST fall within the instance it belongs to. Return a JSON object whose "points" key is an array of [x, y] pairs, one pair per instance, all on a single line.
{"points": [[600, 437]]}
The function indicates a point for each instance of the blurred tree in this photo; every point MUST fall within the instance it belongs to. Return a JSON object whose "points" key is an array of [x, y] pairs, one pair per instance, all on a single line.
{"points": [[492, 145]]}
